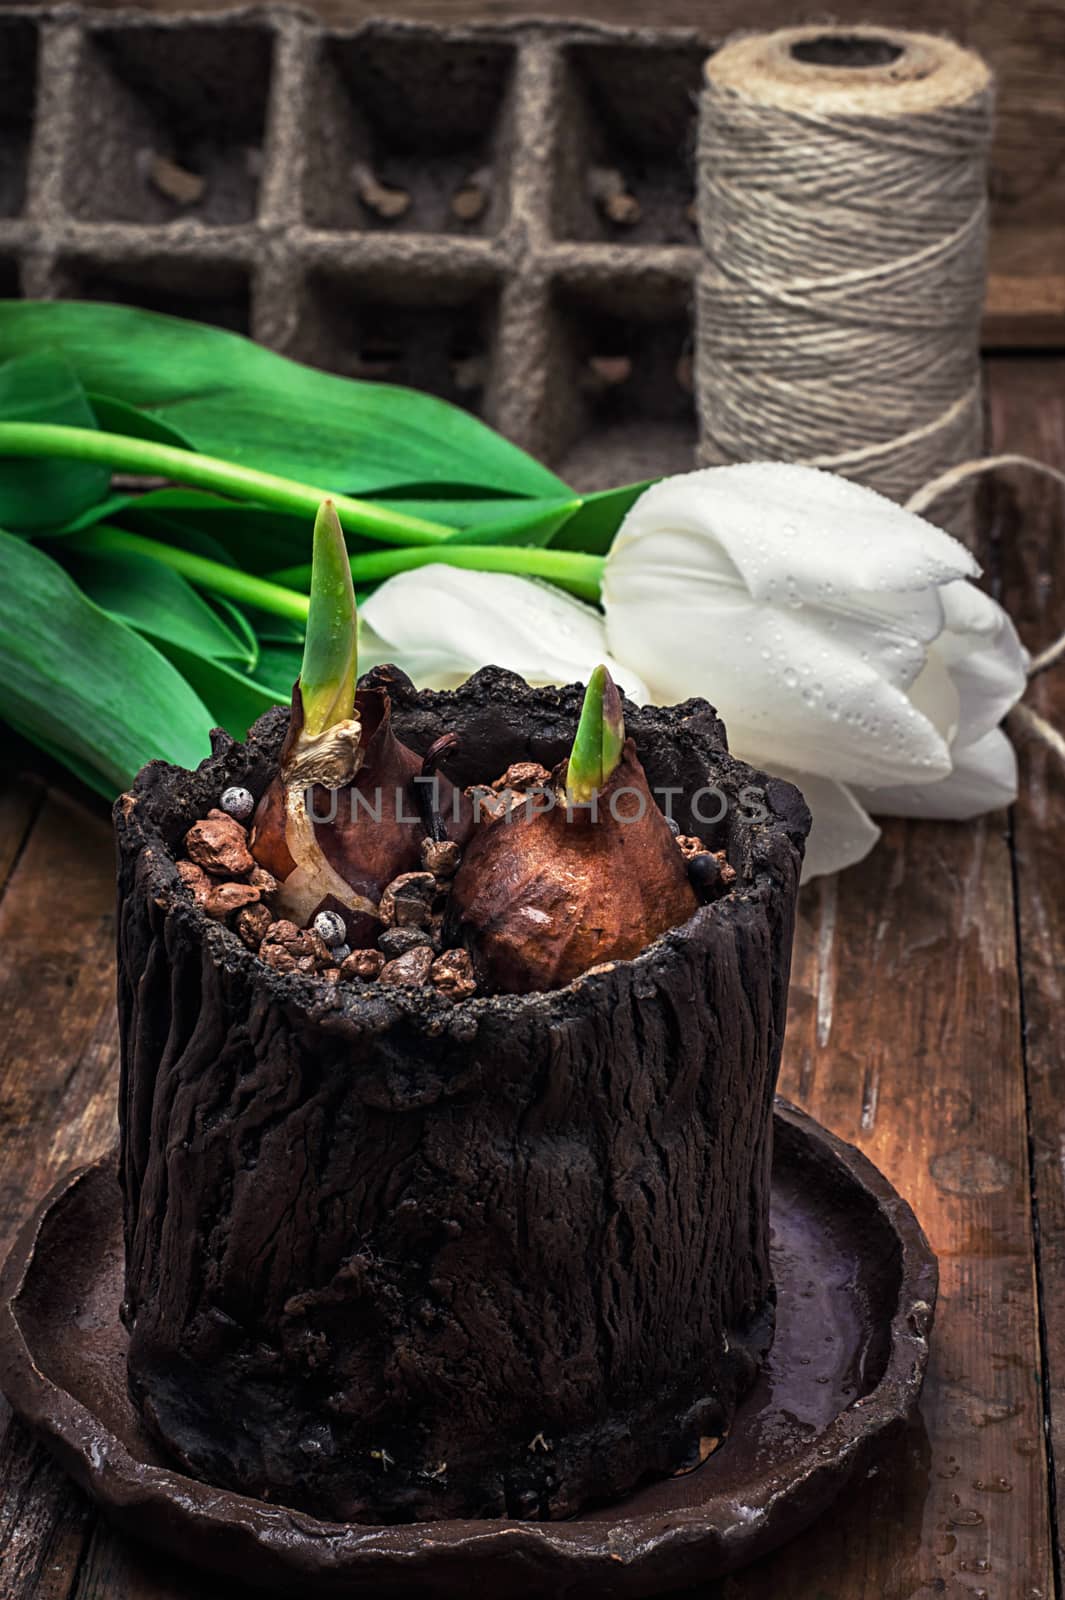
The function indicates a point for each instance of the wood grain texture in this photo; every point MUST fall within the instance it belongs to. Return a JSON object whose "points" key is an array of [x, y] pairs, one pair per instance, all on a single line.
{"points": [[904, 1037], [1025, 44], [1025, 303], [114, 1568], [1027, 404], [56, 966], [56, 1105]]}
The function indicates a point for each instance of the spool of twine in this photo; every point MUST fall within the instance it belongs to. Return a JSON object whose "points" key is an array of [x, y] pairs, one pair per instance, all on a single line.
{"points": [[843, 216]]}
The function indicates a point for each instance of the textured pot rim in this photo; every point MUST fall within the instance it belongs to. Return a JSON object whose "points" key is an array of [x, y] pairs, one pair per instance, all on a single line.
{"points": [[774, 851], [104, 1467]]}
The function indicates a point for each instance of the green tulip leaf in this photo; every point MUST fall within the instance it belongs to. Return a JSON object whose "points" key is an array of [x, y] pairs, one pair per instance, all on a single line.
{"points": [[271, 630], [82, 770], [160, 604], [232, 398], [115, 416], [235, 700], [592, 527], [100, 511], [36, 494], [241, 627], [278, 668], [87, 685], [528, 522]]}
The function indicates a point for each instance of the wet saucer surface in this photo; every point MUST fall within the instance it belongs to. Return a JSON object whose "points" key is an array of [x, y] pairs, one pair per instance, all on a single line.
{"points": [[856, 1284]]}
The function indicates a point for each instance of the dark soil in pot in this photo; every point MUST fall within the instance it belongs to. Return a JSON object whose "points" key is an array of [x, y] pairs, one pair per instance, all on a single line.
{"points": [[391, 1257]]}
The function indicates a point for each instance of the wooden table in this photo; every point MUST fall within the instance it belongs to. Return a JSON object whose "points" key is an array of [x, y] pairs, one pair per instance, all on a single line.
{"points": [[925, 1026]]}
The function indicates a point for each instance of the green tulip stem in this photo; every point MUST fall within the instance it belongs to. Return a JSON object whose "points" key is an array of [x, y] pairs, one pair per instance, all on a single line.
{"points": [[199, 570], [569, 569], [144, 456], [284, 594]]}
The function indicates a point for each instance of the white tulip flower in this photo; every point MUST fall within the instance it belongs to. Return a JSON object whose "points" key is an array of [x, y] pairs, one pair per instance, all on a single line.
{"points": [[441, 623], [838, 635]]}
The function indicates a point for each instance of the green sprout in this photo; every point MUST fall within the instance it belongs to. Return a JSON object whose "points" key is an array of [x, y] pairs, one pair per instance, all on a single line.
{"points": [[599, 740], [330, 652]]}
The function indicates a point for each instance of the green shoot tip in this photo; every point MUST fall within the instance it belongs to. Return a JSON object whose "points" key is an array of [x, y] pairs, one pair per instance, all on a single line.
{"points": [[330, 660], [599, 740]]}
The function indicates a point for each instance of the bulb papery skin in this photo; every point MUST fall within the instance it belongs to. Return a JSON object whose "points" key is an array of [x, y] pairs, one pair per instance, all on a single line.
{"points": [[544, 895], [338, 849]]}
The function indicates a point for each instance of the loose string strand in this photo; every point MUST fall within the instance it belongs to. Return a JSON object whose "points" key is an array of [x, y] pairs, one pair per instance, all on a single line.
{"points": [[953, 478]]}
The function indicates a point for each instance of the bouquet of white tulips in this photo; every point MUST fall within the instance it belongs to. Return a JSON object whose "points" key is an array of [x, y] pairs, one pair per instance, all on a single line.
{"points": [[843, 639]]}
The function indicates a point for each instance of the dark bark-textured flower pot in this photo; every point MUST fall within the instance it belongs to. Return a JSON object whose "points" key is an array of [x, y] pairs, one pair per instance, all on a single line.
{"points": [[390, 1257]]}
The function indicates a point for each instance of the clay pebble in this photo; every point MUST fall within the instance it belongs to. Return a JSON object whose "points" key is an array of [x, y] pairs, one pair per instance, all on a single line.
{"points": [[219, 845]]}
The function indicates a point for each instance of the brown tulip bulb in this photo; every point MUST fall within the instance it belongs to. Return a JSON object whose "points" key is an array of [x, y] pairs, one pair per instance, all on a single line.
{"points": [[344, 815], [584, 873]]}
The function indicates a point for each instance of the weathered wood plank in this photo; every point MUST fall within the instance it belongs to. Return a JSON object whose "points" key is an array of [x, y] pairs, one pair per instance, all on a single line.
{"points": [[115, 1568], [1027, 406], [1025, 303], [57, 1026], [44, 1520], [57, 1090], [21, 795], [905, 1038]]}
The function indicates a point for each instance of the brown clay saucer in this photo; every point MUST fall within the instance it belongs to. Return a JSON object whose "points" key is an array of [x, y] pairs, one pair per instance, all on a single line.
{"points": [[856, 1283]]}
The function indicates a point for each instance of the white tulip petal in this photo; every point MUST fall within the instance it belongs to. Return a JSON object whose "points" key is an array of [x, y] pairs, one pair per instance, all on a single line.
{"points": [[986, 660], [442, 623], [887, 631], [792, 529], [967, 609], [935, 693], [842, 832], [984, 779], [377, 652], [790, 692]]}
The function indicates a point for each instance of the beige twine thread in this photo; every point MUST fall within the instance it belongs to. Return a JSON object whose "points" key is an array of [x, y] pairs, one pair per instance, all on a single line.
{"points": [[843, 213], [1022, 717]]}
